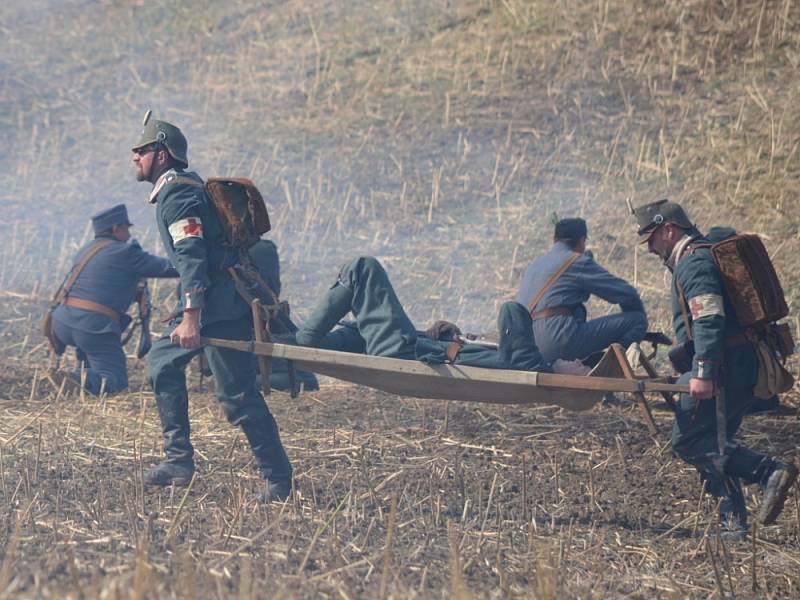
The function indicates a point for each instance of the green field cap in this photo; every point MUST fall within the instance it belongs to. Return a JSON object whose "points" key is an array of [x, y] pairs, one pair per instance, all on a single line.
{"points": [[650, 217]]}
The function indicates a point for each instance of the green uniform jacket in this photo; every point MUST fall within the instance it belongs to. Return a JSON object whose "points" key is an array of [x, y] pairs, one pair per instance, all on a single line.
{"points": [[709, 312], [195, 243]]}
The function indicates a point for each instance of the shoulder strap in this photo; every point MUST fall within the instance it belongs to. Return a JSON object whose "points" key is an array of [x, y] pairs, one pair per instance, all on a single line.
{"points": [[692, 246], [684, 314], [188, 181], [65, 288], [553, 278]]}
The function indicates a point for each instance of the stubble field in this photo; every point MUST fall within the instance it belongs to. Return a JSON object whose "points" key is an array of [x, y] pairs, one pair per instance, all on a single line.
{"points": [[440, 137]]}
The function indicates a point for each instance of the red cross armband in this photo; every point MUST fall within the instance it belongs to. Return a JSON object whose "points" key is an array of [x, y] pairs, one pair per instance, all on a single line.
{"points": [[706, 305], [191, 227]]}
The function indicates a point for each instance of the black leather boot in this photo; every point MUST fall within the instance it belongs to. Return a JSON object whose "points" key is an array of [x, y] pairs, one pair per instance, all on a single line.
{"points": [[168, 473], [516, 347], [733, 509], [178, 466], [265, 441], [776, 488]]}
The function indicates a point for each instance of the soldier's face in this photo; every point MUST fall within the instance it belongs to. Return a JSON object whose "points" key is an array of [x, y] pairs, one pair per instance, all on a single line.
{"points": [[121, 232], [143, 158], [660, 242]]}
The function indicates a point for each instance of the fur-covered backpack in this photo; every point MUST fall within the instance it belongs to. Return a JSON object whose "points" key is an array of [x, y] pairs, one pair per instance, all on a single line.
{"points": [[240, 207]]}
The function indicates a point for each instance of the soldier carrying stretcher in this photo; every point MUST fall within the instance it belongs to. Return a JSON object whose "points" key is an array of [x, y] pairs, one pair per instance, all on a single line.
{"points": [[721, 370], [194, 239]]}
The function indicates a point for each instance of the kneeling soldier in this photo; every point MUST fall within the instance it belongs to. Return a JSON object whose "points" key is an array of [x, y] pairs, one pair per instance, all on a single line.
{"points": [[702, 312], [92, 317]]}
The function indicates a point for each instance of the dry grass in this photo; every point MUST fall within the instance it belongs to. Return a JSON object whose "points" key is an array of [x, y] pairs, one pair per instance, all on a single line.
{"points": [[440, 136], [505, 503]]}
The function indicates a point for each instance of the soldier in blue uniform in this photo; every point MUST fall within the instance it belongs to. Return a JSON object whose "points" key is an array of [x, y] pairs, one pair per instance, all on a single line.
{"points": [[559, 317], [382, 328], [93, 316], [719, 353], [264, 255], [194, 239]]}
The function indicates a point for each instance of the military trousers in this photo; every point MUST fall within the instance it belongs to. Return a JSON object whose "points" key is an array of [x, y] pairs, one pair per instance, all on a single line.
{"points": [[382, 327], [694, 434], [236, 391], [100, 354], [569, 338]]}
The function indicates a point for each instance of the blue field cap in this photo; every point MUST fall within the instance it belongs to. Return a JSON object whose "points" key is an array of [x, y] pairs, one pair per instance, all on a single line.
{"points": [[106, 219], [573, 228]]}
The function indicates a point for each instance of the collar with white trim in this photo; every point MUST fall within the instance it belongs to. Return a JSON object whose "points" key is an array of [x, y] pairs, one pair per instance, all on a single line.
{"points": [[678, 251], [163, 180]]}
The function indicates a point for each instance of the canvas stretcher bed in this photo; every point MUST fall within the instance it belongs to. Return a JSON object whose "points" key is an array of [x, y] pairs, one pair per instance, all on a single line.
{"points": [[472, 384]]}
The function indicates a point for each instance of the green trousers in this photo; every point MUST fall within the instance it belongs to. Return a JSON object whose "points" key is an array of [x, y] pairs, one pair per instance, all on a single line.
{"points": [[236, 391]]}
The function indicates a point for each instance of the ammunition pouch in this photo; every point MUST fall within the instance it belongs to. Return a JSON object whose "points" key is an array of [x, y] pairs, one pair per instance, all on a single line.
{"points": [[681, 356], [781, 340], [773, 378], [773, 346]]}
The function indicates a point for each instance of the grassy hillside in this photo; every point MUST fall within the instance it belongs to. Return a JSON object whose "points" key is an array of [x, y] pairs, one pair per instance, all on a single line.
{"points": [[440, 136]]}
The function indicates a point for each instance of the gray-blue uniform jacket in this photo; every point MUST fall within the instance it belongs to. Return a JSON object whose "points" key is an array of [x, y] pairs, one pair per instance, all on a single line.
{"points": [[194, 240], [708, 310], [110, 279], [570, 337]]}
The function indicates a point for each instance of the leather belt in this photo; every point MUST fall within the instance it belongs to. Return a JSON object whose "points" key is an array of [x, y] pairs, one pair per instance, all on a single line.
{"points": [[452, 352], [739, 339], [93, 307], [561, 311]]}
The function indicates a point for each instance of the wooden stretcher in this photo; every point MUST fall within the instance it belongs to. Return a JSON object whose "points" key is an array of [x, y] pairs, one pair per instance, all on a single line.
{"points": [[474, 384]]}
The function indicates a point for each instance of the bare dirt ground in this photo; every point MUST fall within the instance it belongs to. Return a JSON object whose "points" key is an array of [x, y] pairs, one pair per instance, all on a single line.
{"points": [[441, 137]]}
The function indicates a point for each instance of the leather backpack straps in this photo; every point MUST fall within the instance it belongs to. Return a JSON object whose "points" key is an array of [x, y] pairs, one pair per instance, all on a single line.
{"points": [[684, 314], [188, 181], [64, 290], [691, 247], [553, 278]]}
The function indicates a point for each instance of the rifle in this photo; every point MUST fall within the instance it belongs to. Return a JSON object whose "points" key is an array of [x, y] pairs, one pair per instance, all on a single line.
{"points": [[145, 311]]}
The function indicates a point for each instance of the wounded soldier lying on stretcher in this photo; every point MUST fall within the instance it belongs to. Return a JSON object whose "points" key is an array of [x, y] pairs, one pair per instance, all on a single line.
{"points": [[382, 328]]}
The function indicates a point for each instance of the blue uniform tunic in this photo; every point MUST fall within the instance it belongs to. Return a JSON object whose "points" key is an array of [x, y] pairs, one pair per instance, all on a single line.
{"points": [[110, 279], [570, 337], [195, 243]]}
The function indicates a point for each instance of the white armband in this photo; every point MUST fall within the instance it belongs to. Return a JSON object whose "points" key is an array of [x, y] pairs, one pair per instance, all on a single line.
{"points": [[706, 305], [186, 228]]}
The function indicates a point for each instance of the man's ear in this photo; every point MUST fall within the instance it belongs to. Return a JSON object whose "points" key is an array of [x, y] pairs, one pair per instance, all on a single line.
{"points": [[163, 157]]}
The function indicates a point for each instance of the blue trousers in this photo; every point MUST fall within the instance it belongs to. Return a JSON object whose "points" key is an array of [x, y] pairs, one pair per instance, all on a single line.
{"points": [[101, 355], [569, 338], [382, 327], [694, 434]]}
